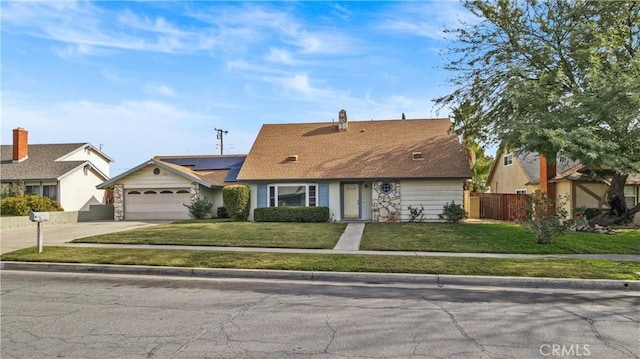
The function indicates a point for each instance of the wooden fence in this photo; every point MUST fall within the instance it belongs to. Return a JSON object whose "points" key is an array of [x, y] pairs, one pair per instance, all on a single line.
{"points": [[502, 206]]}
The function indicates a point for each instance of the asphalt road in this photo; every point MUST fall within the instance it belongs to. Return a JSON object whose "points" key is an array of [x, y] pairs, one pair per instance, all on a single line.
{"points": [[71, 315]]}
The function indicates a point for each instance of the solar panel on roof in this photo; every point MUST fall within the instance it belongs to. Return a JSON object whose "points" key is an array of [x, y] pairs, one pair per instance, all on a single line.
{"points": [[216, 163], [207, 163], [232, 176]]}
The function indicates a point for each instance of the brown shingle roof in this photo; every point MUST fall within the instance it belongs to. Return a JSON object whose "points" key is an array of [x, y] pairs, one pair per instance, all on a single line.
{"points": [[368, 149], [41, 163]]}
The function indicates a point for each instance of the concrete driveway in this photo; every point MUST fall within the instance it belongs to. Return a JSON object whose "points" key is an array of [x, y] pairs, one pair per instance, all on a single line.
{"points": [[14, 239]]}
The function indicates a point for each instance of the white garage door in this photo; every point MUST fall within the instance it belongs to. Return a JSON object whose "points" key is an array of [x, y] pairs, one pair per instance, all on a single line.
{"points": [[154, 204]]}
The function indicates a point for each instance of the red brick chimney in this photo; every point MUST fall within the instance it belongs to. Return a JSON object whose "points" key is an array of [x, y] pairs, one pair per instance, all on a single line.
{"points": [[547, 172], [20, 144]]}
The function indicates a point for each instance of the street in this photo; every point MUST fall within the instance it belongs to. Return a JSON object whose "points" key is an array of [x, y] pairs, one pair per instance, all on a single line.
{"points": [[71, 315]]}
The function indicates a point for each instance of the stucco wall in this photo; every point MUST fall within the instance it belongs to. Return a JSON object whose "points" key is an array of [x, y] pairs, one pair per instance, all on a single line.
{"points": [[78, 190], [96, 213], [507, 179], [99, 161]]}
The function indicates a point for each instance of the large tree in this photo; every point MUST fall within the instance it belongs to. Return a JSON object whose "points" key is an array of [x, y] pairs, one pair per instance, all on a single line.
{"points": [[555, 77]]}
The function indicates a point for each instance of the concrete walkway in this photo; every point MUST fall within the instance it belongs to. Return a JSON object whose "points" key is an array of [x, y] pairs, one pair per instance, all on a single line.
{"points": [[350, 239]]}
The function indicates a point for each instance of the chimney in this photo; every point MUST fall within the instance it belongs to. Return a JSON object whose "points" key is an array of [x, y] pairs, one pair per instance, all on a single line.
{"points": [[342, 120], [547, 172], [20, 144]]}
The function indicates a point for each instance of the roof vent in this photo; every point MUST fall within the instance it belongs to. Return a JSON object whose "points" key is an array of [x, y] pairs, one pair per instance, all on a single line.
{"points": [[417, 156], [292, 158]]}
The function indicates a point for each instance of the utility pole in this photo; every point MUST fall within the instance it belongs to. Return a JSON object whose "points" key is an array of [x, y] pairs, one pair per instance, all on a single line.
{"points": [[220, 136]]}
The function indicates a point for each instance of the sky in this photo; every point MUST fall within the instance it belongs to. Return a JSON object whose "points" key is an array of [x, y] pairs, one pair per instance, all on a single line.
{"points": [[142, 79]]}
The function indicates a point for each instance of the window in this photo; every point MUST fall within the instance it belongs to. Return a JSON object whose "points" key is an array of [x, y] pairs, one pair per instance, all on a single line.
{"points": [[150, 192], [630, 196], [50, 191], [134, 192], [521, 191], [508, 160], [166, 192], [386, 188], [183, 191], [293, 195]]}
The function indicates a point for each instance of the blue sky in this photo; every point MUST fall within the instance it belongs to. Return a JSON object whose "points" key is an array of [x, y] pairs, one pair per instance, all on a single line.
{"points": [[156, 78]]}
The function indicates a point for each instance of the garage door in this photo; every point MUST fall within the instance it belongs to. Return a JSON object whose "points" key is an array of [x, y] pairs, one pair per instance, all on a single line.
{"points": [[154, 204]]}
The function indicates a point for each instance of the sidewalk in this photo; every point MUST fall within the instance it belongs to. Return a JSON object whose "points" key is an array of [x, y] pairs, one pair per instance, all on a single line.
{"points": [[61, 235]]}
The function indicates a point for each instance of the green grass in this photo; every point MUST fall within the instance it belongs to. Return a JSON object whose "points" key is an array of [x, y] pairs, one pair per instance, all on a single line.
{"points": [[491, 238], [552, 268], [230, 234]]}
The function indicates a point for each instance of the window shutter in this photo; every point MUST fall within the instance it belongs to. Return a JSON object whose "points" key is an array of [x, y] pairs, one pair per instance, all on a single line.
{"points": [[323, 194], [262, 195]]}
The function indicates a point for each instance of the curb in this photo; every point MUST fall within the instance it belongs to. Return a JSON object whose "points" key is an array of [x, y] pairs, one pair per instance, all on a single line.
{"points": [[438, 280]]}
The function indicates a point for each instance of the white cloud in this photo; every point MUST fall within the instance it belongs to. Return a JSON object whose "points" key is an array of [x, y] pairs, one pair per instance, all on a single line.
{"points": [[159, 90], [131, 131], [427, 19]]}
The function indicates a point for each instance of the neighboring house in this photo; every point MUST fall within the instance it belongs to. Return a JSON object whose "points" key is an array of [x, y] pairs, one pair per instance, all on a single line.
{"points": [[65, 172], [364, 170], [520, 173], [160, 188]]}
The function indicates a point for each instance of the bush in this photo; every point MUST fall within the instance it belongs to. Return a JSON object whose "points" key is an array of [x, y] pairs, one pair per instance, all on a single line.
{"points": [[222, 212], [291, 214], [237, 201], [453, 213], [545, 220], [25, 204], [200, 209]]}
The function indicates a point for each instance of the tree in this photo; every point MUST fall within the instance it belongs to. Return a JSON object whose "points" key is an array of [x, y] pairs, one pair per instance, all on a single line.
{"points": [[554, 77], [479, 162]]}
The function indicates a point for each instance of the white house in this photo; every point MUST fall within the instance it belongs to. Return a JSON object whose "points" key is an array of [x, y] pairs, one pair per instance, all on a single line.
{"points": [[65, 172]]}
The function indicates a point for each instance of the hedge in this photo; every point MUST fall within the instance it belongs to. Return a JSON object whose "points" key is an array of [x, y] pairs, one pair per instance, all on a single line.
{"points": [[291, 214], [236, 200], [24, 204]]}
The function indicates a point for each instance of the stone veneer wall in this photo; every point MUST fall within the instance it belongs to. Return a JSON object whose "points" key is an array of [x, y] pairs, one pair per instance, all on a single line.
{"points": [[195, 192], [118, 202], [386, 207]]}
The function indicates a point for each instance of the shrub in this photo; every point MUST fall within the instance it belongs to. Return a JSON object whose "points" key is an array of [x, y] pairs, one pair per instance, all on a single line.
{"points": [[199, 209], [237, 201], [25, 204], [291, 214], [222, 212], [416, 213], [546, 221], [453, 213]]}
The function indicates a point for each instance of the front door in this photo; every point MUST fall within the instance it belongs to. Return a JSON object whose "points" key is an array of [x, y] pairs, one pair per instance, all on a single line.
{"points": [[351, 198]]}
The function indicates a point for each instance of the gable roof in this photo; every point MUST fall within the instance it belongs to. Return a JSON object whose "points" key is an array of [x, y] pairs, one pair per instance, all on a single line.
{"points": [[207, 170], [565, 169], [530, 161], [45, 162], [366, 150]]}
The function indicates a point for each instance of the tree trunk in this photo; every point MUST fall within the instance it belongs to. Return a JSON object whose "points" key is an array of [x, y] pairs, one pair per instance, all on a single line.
{"points": [[618, 210]]}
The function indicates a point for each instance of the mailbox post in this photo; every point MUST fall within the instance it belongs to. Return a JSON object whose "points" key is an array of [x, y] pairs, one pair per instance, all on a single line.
{"points": [[39, 217]]}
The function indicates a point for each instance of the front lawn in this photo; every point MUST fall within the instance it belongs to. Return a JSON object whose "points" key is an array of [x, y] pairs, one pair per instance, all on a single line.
{"points": [[490, 238], [230, 234], [551, 268]]}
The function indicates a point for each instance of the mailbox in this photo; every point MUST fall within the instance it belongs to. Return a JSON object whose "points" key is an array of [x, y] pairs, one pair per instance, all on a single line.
{"points": [[39, 216]]}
